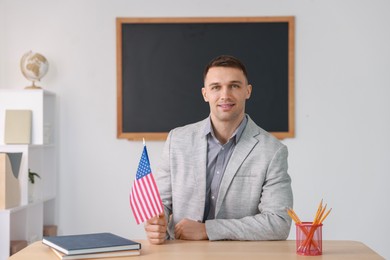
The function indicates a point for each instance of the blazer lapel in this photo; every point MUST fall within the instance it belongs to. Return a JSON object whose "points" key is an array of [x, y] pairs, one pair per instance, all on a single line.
{"points": [[241, 151]]}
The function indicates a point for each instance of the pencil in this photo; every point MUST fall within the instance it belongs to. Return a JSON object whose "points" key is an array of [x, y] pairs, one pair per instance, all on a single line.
{"points": [[324, 217]]}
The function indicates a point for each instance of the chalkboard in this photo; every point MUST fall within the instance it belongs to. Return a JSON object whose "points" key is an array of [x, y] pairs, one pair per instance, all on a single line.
{"points": [[160, 64]]}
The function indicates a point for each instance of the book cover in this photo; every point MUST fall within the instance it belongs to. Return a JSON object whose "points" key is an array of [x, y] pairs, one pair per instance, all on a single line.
{"points": [[97, 255], [90, 243], [17, 126]]}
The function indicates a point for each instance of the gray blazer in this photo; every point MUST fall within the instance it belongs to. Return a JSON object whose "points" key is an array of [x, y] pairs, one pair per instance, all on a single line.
{"points": [[254, 193]]}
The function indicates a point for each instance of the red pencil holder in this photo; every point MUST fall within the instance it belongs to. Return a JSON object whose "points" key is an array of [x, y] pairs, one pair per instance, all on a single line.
{"points": [[309, 239]]}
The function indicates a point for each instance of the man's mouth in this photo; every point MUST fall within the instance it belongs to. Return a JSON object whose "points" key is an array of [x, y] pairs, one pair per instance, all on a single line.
{"points": [[226, 106]]}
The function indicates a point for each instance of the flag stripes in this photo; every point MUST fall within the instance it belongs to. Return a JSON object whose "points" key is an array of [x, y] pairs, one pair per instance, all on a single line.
{"points": [[145, 200]]}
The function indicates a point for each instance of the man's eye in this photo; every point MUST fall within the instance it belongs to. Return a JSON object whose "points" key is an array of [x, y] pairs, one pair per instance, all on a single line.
{"points": [[235, 86]]}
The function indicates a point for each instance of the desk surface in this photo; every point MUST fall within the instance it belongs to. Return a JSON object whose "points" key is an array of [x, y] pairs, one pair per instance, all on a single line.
{"points": [[191, 250]]}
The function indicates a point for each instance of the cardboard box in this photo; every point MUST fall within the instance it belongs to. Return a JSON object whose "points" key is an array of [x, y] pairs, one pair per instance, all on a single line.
{"points": [[17, 245], [49, 230]]}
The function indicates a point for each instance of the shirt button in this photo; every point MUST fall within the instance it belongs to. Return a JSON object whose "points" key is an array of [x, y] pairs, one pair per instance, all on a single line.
{"points": [[217, 172], [212, 197]]}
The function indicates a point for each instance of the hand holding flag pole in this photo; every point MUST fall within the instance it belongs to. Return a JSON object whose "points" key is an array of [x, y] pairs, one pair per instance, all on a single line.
{"points": [[145, 200]]}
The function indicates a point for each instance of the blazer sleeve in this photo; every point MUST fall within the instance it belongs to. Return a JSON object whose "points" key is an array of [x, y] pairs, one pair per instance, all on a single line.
{"points": [[272, 222], [163, 178]]}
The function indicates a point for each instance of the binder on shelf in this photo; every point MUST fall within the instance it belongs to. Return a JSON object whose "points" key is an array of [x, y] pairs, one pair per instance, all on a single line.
{"points": [[9, 183], [17, 126]]}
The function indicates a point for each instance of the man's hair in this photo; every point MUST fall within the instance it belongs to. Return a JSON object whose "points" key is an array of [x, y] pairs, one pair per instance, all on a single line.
{"points": [[225, 61]]}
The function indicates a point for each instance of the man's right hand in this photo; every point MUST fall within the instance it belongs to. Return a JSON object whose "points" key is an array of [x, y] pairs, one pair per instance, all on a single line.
{"points": [[156, 229]]}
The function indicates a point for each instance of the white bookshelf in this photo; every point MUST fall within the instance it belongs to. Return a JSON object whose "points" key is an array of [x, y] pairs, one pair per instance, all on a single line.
{"points": [[26, 221]]}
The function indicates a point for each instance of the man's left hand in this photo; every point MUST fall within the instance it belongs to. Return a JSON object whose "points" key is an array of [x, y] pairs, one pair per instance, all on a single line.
{"points": [[190, 230]]}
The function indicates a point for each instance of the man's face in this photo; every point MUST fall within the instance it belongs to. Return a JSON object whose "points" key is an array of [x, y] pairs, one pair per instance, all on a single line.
{"points": [[226, 90]]}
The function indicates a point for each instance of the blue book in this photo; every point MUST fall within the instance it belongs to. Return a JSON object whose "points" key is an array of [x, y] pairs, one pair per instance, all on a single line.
{"points": [[90, 243]]}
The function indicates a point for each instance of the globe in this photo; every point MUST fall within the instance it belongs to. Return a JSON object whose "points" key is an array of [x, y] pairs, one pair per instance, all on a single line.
{"points": [[34, 66]]}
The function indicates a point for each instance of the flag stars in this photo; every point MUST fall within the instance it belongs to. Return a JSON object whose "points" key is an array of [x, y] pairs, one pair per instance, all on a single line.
{"points": [[143, 167]]}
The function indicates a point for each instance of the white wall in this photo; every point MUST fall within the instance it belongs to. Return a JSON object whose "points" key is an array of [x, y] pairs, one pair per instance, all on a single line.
{"points": [[342, 145], [2, 42]]}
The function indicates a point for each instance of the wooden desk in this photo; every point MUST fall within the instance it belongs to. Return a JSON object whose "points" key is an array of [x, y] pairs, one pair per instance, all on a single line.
{"points": [[241, 250]]}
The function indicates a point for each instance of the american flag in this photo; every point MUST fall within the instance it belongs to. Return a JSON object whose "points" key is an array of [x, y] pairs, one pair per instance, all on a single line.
{"points": [[145, 200]]}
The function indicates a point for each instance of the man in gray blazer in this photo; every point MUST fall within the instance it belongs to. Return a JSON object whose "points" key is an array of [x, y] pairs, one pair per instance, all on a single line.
{"points": [[223, 177]]}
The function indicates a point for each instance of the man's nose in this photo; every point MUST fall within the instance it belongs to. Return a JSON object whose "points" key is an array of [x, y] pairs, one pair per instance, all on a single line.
{"points": [[225, 92]]}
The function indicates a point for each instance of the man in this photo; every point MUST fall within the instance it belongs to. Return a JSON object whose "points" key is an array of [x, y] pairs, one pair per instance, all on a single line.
{"points": [[223, 177]]}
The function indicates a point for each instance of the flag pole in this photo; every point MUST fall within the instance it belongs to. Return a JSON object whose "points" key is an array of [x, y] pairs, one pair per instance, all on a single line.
{"points": [[143, 141]]}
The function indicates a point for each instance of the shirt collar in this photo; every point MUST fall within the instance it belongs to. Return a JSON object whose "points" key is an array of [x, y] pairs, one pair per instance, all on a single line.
{"points": [[237, 133]]}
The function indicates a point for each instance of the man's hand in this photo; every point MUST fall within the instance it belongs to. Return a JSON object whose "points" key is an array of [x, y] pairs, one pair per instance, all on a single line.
{"points": [[190, 230], [156, 229]]}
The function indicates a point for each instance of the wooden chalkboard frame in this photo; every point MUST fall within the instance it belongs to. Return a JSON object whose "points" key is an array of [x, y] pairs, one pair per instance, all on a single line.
{"points": [[290, 20]]}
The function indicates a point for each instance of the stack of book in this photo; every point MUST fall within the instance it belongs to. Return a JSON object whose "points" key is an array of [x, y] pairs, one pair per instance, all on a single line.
{"points": [[97, 245]]}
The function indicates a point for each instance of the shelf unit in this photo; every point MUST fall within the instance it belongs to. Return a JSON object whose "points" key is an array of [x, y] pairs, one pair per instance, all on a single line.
{"points": [[26, 221]]}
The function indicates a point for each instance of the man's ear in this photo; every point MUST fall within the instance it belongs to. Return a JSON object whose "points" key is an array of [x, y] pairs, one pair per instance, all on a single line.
{"points": [[204, 94], [249, 89]]}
